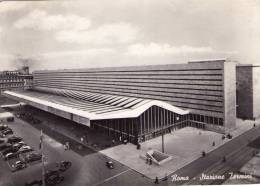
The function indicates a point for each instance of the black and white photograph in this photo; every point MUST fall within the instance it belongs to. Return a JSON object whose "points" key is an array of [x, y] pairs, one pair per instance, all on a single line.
{"points": [[129, 92]]}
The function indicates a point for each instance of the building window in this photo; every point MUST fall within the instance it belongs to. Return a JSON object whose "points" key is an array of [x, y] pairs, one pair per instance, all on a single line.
{"points": [[211, 120], [221, 121], [202, 118], [216, 121]]}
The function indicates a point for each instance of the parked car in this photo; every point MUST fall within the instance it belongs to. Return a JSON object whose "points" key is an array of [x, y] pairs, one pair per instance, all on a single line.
{"points": [[10, 119], [110, 165], [64, 165], [13, 148], [3, 140], [33, 157], [3, 127], [24, 149], [18, 145], [18, 166], [10, 150], [10, 155], [7, 131], [4, 146], [14, 139]]}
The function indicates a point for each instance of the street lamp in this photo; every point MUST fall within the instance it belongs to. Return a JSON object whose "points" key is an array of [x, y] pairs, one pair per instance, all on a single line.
{"points": [[43, 168]]}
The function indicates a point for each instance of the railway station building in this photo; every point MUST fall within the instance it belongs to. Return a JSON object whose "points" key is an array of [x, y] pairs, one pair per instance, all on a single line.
{"points": [[139, 102]]}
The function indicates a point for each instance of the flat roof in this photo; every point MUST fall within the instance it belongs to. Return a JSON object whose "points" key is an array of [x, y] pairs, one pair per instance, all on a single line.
{"points": [[92, 105]]}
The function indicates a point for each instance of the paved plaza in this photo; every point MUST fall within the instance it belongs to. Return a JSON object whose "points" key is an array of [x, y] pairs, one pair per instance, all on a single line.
{"points": [[184, 145]]}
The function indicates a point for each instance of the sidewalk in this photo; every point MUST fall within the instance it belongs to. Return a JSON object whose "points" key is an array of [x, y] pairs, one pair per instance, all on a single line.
{"points": [[185, 146]]}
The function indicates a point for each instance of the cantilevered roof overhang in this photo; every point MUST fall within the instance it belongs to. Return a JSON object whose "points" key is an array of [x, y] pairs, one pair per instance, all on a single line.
{"points": [[92, 106]]}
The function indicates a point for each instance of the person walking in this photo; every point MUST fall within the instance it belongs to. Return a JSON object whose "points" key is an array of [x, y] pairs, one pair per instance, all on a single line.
{"points": [[81, 139], [68, 145], [156, 180], [65, 147], [150, 161]]}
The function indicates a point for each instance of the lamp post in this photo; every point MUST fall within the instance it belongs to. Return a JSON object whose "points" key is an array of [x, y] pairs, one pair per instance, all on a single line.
{"points": [[163, 141], [43, 167]]}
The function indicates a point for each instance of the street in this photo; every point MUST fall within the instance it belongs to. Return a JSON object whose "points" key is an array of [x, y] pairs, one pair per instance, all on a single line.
{"points": [[88, 167], [237, 153]]}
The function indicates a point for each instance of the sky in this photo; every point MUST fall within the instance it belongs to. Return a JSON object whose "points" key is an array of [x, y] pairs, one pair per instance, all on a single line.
{"points": [[64, 34]]}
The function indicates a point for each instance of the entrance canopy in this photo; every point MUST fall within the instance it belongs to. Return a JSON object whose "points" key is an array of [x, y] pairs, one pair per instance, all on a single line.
{"points": [[92, 106]]}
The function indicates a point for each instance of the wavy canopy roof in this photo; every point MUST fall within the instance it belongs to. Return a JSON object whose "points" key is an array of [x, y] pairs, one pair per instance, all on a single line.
{"points": [[92, 105]]}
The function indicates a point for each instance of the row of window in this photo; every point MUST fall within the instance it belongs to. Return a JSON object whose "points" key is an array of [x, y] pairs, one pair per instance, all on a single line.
{"points": [[11, 85], [206, 119], [10, 73], [10, 80]]}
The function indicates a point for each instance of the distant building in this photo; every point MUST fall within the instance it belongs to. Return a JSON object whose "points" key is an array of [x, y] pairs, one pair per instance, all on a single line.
{"points": [[248, 91], [16, 80]]}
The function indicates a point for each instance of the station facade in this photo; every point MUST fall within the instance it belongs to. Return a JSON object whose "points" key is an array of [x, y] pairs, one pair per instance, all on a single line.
{"points": [[142, 101]]}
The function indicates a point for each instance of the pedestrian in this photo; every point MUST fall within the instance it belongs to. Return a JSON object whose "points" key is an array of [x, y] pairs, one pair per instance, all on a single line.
{"points": [[165, 177], [156, 180], [65, 147], [150, 161], [81, 139], [68, 145], [213, 144], [86, 138]]}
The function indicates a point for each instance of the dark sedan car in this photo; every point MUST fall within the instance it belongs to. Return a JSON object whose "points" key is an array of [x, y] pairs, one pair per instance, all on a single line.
{"points": [[3, 127], [33, 157], [5, 146], [3, 140], [18, 166], [14, 139], [25, 149], [10, 156], [10, 150], [7, 131]]}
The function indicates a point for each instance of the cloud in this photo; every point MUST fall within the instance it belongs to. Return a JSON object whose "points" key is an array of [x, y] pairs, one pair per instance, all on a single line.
{"points": [[12, 6], [40, 20], [78, 53], [155, 49], [104, 34]]}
